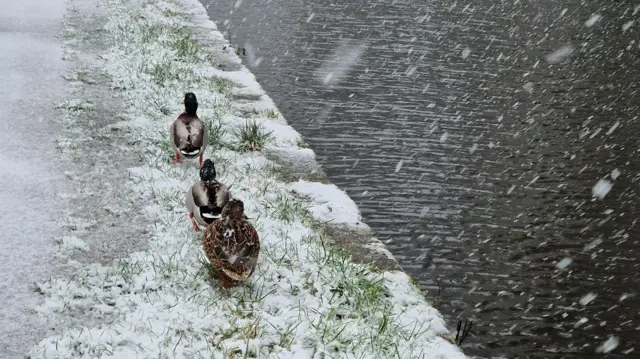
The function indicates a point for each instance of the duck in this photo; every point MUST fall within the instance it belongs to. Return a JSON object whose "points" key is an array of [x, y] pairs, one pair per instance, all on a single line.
{"points": [[232, 245], [188, 134], [206, 198]]}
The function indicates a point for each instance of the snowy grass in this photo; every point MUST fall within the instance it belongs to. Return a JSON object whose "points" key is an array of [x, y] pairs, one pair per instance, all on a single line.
{"points": [[307, 298]]}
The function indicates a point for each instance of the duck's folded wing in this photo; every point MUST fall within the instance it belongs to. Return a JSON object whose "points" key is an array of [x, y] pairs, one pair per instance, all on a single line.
{"points": [[196, 133]]}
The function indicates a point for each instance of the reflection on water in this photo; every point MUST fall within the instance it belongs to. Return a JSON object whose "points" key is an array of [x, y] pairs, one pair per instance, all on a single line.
{"points": [[471, 134]]}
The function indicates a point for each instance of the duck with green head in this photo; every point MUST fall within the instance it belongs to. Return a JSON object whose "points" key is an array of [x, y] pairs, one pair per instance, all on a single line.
{"points": [[206, 198], [188, 133]]}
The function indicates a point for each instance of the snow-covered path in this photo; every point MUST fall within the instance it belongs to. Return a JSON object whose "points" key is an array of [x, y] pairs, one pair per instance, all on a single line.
{"points": [[30, 68]]}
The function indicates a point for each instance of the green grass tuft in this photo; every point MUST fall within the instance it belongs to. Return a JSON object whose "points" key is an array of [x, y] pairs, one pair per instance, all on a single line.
{"points": [[162, 73], [185, 45], [287, 208], [220, 85], [302, 143], [216, 132], [270, 113], [252, 137]]}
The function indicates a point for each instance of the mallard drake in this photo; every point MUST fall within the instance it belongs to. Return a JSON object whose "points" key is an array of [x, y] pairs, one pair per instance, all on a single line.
{"points": [[232, 245], [206, 198], [188, 133]]}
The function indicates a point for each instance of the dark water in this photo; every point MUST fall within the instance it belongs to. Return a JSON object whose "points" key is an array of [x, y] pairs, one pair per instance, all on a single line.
{"points": [[500, 151]]}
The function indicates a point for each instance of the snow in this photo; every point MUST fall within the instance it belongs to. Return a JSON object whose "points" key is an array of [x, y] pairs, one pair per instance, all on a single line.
{"points": [[615, 174], [602, 188], [329, 203], [592, 20], [31, 69], [564, 263], [69, 244], [399, 166], [560, 54], [609, 345], [306, 299], [340, 62], [588, 298]]}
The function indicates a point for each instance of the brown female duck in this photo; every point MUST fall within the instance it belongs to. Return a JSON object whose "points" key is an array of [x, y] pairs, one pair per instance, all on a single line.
{"points": [[232, 245]]}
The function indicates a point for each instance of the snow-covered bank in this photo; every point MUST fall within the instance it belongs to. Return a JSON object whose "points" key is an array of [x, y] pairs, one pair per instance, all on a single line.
{"points": [[307, 299]]}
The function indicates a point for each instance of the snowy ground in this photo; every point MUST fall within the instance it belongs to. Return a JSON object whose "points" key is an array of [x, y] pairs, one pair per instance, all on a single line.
{"points": [[307, 299], [31, 67]]}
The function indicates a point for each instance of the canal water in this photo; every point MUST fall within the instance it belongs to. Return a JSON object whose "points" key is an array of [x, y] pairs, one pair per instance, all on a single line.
{"points": [[472, 135]]}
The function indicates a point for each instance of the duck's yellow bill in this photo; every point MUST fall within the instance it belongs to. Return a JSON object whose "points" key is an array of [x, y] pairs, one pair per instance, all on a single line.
{"points": [[182, 102]]}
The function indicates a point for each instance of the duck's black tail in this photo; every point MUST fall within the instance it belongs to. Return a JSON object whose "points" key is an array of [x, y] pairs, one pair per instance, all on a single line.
{"points": [[190, 151]]}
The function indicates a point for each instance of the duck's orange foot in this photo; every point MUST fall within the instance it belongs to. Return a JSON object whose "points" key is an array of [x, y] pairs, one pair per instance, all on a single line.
{"points": [[193, 223], [225, 283], [175, 159]]}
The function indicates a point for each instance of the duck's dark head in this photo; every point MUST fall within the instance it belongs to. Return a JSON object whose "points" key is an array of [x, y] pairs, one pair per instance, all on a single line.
{"points": [[233, 209], [208, 171], [190, 103]]}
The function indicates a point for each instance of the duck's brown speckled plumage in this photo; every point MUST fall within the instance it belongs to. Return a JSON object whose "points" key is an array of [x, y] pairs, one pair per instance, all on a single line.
{"points": [[232, 245]]}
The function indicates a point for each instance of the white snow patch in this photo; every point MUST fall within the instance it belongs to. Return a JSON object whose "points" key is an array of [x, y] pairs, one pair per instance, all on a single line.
{"points": [[627, 25], [602, 188], [329, 203], [68, 244]]}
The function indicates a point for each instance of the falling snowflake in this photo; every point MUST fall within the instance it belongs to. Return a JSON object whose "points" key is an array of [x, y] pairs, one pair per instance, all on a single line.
{"points": [[588, 298], [602, 188], [560, 54], [399, 166], [593, 244], [528, 87], [340, 62], [466, 52], [615, 174], [424, 211], [473, 148], [313, 14], [613, 128], [609, 345], [592, 20], [580, 322], [411, 70], [444, 136], [564, 263], [627, 25]]}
